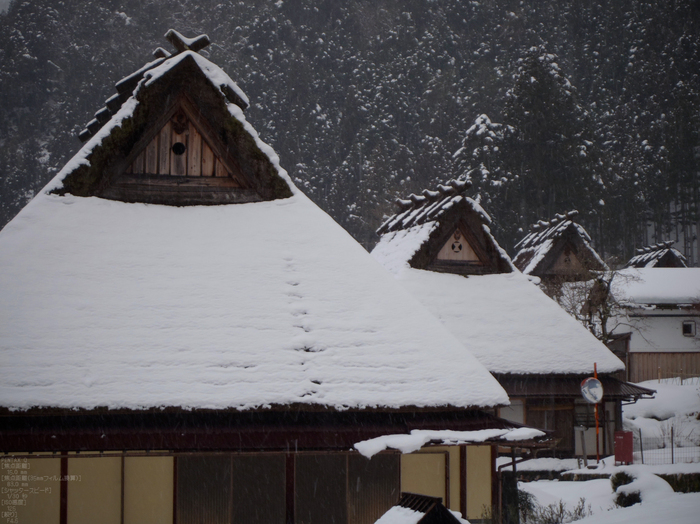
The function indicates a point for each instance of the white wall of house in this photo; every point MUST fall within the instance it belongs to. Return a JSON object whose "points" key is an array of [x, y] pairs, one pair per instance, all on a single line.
{"points": [[661, 331]]}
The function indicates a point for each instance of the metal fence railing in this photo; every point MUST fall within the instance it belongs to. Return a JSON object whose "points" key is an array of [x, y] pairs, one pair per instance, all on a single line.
{"points": [[666, 449]]}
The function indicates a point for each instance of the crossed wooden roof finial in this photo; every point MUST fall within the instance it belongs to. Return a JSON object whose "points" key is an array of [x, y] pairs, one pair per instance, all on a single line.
{"points": [[182, 43]]}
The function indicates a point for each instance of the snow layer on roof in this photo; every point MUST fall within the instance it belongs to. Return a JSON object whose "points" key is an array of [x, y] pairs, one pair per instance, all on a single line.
{"points": [[509, 324], [396, 248], [213, 72], [400, 515], [652, 255], [658, 285], [408, 443], [538, 253], [81, 157], [537, 244], [105, 303]]}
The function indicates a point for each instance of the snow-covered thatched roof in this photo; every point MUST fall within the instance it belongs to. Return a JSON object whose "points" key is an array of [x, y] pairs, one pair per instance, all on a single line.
{"points": [[662, 254], [425, 225], [509, 324], [105, 303], [547, 240], [658, 286], [504, 319]]}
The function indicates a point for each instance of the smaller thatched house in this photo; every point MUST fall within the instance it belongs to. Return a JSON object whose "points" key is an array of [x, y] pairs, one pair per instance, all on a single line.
{"points": [[662, 254], [439, 247], [558, 251]]}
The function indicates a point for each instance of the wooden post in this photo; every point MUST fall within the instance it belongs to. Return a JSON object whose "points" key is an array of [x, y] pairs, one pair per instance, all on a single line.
{"points": [[672, 445], [641, 445]]}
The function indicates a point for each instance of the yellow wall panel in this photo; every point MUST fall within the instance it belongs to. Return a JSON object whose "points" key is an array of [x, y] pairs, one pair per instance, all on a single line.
{"points": [[148, 490], [423, 473], [478, 481], [94, 490], [32, 493]]}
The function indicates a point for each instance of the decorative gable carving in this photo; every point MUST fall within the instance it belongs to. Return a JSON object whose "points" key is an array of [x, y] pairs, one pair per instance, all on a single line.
{"points": [[458, 239], [568, 263], [458, 249]]}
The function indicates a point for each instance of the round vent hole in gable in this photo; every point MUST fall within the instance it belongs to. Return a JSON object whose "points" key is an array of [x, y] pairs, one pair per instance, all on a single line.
{"points": [[179, 148]]}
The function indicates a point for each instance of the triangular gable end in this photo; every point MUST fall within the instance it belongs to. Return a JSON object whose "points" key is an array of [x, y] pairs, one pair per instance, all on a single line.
{"points": [[458, 249], [568, 262], [182, 148], [181, 145], [181, 162]]}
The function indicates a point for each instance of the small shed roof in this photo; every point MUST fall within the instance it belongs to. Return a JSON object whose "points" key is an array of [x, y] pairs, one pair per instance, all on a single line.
{"points": [[539, 249], [413, 508], [662, 254]]}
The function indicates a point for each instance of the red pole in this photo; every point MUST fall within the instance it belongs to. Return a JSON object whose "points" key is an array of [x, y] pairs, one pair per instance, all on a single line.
{"points": [[597, 427]]}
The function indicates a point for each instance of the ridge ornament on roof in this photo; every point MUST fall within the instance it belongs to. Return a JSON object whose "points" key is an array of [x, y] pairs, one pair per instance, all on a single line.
{"points": [[175, 134]]}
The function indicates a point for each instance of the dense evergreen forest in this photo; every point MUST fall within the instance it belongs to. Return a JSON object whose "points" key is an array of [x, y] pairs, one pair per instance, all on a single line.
{"points": [[548, 105]]}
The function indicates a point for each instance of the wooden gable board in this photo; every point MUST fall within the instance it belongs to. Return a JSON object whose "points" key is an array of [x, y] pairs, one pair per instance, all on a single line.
{"points": [[458, 249], [480, 254], [241, 172]]}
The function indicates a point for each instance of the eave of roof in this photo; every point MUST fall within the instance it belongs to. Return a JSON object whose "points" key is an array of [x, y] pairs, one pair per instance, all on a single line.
{"points": [[568, 386]]}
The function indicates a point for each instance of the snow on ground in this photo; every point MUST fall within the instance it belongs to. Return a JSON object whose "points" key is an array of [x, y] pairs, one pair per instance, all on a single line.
{"points": [[674, 402], [597, 493], [678, 508], [675, 407]]}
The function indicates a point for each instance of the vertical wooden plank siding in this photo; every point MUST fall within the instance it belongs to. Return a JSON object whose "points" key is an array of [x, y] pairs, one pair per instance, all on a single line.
{"points": [[373, 486], [178, 163], [151, 166], [258, 488], [203, 489], [138, 163], [194, 152], [164, 150], [207, 160], [220, 169], [289, 486], [648, 366]]}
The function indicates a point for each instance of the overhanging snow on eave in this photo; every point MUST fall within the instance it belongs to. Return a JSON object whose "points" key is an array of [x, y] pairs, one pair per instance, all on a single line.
{"points": [[417, 439]]}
